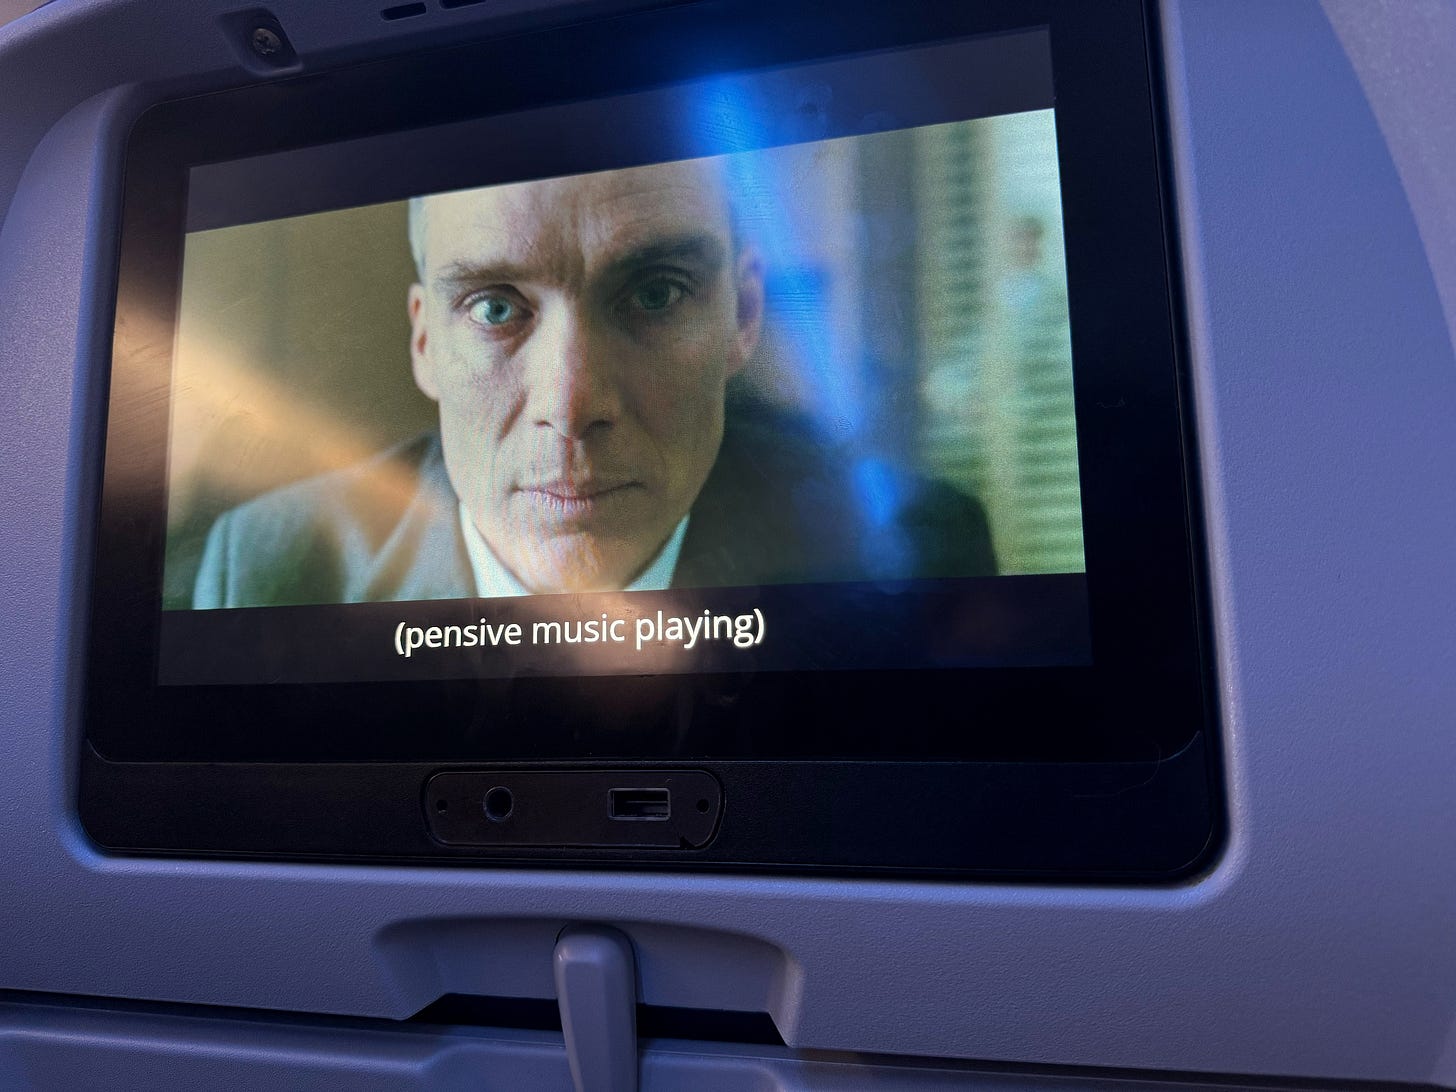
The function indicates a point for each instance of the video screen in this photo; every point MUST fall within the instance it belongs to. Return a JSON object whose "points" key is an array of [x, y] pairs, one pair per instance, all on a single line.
{"points": [[553, 415]]}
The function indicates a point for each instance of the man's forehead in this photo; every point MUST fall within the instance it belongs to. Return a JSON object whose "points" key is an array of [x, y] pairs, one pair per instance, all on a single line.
{"points": [[595, 215]]}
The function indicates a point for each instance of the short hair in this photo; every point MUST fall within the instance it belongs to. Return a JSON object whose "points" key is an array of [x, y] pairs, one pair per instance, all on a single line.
{"points": [[417, 224], [417, 235]]}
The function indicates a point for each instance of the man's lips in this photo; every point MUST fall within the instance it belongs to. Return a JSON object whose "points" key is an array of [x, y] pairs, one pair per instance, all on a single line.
{"points": [[574, 498]]}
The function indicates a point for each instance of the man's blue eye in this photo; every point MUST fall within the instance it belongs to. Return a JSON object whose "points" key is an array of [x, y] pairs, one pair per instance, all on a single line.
{"points": [[657, 295], [493, 311]]}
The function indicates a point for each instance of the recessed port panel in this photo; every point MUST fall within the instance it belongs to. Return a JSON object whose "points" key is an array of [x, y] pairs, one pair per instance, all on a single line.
{"points": [[661, 809]]}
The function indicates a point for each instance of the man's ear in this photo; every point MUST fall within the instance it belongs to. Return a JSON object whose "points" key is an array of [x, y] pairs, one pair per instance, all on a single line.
{"points": [[420, 359], [748, 280]]}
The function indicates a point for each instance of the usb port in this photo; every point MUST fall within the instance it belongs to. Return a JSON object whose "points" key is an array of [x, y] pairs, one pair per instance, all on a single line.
{"points": [[639, 803]]}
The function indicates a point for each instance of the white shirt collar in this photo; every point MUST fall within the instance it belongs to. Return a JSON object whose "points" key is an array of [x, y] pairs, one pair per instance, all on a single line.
{"points": [[492, 579]]}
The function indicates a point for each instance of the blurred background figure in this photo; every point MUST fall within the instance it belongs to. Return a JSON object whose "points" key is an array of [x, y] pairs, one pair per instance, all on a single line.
{"points": [[997, 356]]}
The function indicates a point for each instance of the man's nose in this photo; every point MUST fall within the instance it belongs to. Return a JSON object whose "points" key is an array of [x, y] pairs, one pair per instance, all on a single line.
{"points": [[569, 375]]}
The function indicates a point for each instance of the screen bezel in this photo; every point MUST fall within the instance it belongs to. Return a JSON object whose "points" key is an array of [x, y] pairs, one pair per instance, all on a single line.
{"points": [[1144, 700]]}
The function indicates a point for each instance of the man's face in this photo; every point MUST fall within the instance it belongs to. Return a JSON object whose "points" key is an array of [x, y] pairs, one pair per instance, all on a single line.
{"points": [[578, 334]]}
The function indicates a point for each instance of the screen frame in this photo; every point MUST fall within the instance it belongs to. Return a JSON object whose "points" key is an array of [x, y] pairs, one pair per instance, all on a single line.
{"points": [[1146, 700]]}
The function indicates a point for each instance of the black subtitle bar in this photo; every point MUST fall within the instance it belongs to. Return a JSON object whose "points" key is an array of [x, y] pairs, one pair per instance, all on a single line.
{"points": [[1008, 621]]}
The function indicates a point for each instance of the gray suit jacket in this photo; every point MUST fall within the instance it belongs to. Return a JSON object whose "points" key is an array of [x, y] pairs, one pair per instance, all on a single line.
{"points": [[776, 509]]}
